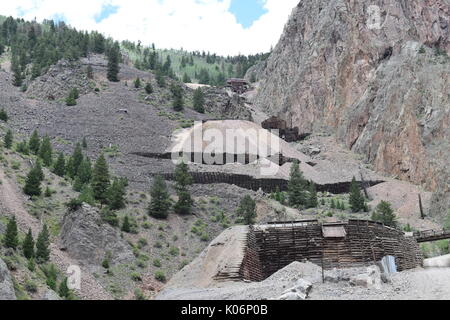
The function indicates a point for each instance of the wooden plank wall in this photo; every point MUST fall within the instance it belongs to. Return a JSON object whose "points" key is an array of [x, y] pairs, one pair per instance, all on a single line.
{"points": [[366, 243]]}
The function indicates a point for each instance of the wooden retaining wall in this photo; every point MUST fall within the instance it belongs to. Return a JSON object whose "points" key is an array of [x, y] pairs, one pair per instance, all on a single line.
{"points": [[272, 248], [266, 184]]}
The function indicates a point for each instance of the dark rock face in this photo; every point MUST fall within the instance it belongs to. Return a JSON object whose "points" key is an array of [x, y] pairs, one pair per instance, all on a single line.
{"points": [[219, 102], [87, 239], [6, 285], [382, 88]]}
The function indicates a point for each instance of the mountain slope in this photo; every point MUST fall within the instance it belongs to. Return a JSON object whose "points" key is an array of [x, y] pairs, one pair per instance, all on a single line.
{"points": [[383, 91]]}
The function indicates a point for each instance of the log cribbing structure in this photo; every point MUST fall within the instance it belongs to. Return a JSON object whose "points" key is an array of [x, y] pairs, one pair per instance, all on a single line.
{"points": [[267, 185], [432, 235], [274, 246]]}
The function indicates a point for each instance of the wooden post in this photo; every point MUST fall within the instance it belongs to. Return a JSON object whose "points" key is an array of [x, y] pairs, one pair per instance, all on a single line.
{"points": [[422, 214]]}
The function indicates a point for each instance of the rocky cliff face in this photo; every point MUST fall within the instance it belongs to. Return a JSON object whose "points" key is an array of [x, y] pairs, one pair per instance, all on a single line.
{"points": [[376, 74], [6, 285], [87, 239]]}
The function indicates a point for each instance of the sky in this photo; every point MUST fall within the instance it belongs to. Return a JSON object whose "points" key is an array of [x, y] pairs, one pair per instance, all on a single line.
{"points": [[225, 27]]}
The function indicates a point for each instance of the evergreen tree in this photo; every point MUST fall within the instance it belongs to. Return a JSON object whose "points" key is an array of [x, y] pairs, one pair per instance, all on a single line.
{"points": [[137, 83], [313, 202], [183, 180], [33, 181], [148, 88], [46, 151], [60, 165], [71, 99], [247, 210], [84, 174], [186, 78], [39, 171], [385, 214], [126, 225], [23, 148], [177, 94], [84, 143], [8, 140], [76, 160], [116, 194], [296, 187], [42, 246], [64, 291], [17, 73], [113, 63], [3, 115], [87, 195], [101, 180], [11, 238], [160, 202], [160, 79], [35, 142], [199, 101], [333, 204], [357, 201], [28, 246]]}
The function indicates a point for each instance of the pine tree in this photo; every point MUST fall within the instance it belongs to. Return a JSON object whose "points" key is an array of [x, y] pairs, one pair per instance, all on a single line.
{"points": [[247, 210], [186, 78], [28, 246], [3, 115], [101, 180], [148, 88], [126, 225], [11, 238], [60, 166], [313, 202], [160, 202], [71, 100], [177, 94], [199, 101], [333, 204], [87, 195], [39, 171], [357, 201], [42, 246], [116, 194], [33, 181], [8, 140], [137, 83], [183, 180], [296, 187], [385, 214], [76, 160], [84, 174], [64, 291], [34, 143], [113, 63], [46, 151], [160, 78], [84, 143]]}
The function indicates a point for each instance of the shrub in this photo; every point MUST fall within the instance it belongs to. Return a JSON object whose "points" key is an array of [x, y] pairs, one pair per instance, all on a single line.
{"points": [[135, 276], [157, 263], [160, 276]]}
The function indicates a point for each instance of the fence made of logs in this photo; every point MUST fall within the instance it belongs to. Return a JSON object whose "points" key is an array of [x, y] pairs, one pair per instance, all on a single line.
{"points": [[267, 185], [365, 243]]}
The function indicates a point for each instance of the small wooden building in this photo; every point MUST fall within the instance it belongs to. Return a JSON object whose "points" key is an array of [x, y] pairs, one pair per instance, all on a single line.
{"points": [[239, 86]]}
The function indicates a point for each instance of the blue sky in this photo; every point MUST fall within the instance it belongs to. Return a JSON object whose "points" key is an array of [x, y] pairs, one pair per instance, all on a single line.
{"points": [[225, 27], [247, 11]]}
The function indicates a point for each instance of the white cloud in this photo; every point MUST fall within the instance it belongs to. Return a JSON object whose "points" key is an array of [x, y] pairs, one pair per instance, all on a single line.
{"points": [[191, 24]]}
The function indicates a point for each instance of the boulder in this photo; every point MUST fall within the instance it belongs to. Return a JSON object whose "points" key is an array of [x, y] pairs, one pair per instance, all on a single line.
{"points": [[86, 238], [370, 279], [300, 291], [6, 286]]}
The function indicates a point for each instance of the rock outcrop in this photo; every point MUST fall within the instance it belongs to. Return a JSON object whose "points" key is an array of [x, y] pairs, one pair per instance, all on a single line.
{"points": [[225, 105], [88, 239], [6, 286], [375, 74]]}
